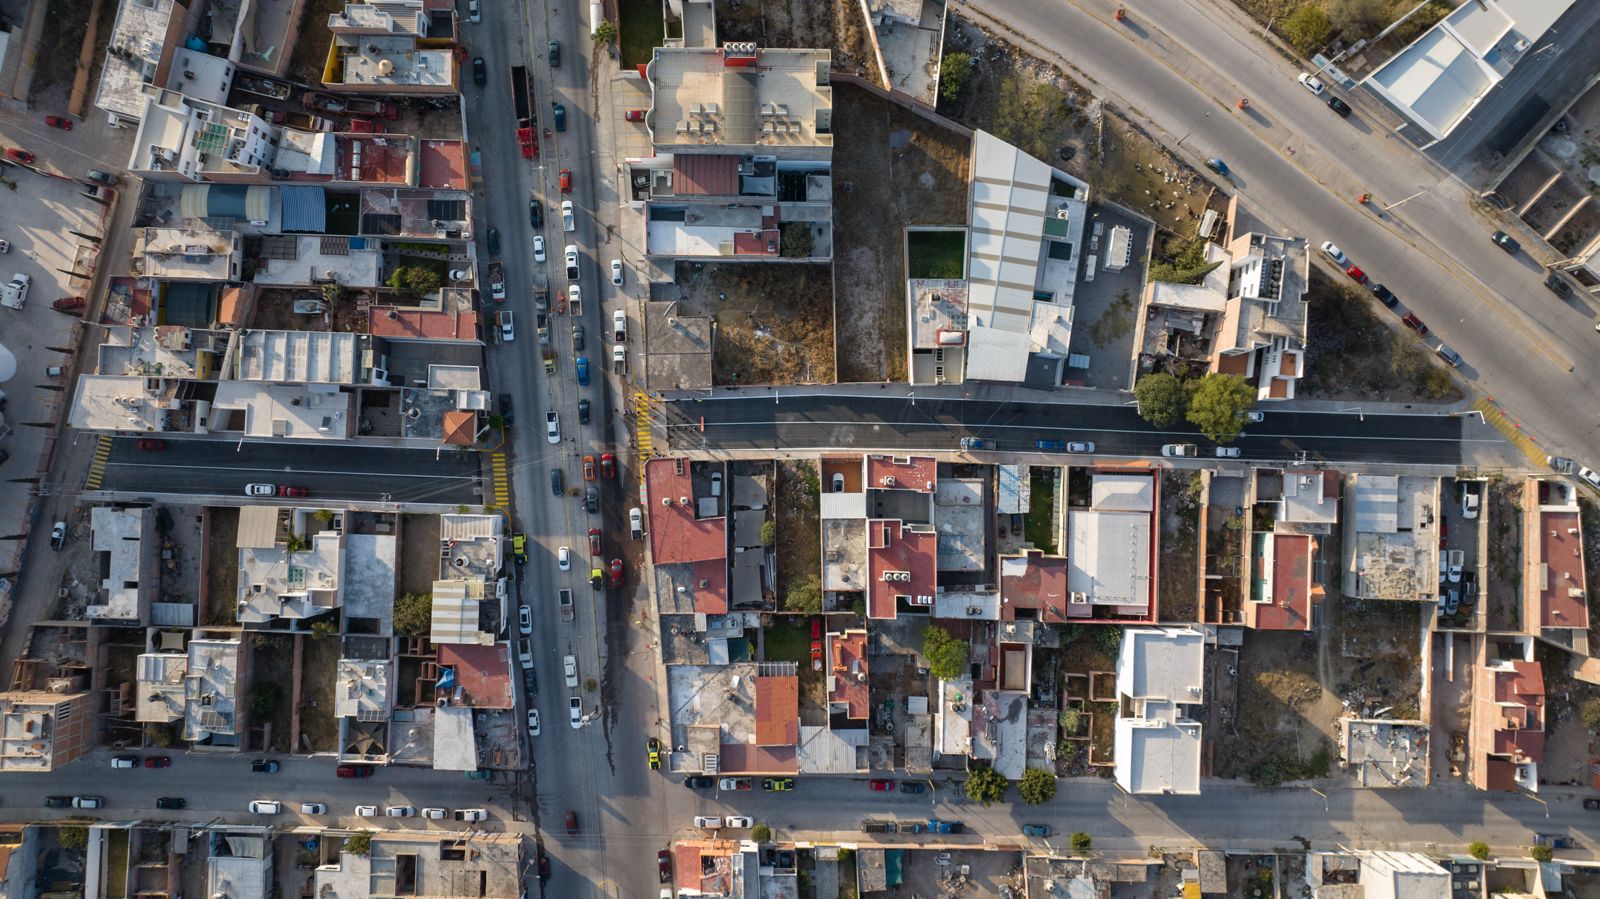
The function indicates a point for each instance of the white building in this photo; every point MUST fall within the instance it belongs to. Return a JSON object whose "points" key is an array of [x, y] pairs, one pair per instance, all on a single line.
{"points": [[1160, 678]]}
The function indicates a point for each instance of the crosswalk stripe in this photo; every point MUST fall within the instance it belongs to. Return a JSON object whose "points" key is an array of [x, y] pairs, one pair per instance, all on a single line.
{"points": [[1508, 428], [97, 468]]}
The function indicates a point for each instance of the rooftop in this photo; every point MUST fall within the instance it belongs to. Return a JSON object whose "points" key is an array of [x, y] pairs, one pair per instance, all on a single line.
{"points": [[458, 612], [1109, 544], [470, 546], [362, 691], [1037, 582], [962, 517], [211, 690], [1391, 537], [370, 563], [741, 96], [1280, 597], [374, 159], [37, 730], [1385, 753], [302, 259], [918, 473], [1266, 282], [777, 710], [901, 566], [677, 534], [847, 674], [427, 863], [188, 254], [133, 55], [1310, 498], [196, 138], [129, 540], [1556, 558], [1160, 674], [275, 582], [482, 674], [377, 45], [315, 357], [938, 313]]}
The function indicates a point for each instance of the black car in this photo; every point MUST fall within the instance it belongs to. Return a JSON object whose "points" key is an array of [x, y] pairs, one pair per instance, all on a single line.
{"points": [[583, 412], [171, 803], [1505, 242], [699, 782], [505, 409], [530, 682], [1558, 285], [264, 766], [555, 54], [912, 788], [494, 241], [555, 481], [1339, 106], [63, 801], [1592, 804], [480, 72], [591, 500], [1385, 296], [535, 213], [577, 338]]}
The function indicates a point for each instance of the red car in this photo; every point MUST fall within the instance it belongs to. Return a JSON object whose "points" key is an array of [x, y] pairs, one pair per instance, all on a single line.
{"points": [[881, 786], [664, 865], [353, 771], [152, 444], [1415, 323], [816, 644], [588, 468], [566, 181], [1356, 274], [594, 541], [157, 761], [56, 121], [608, 466], [286, 490], [633, 115], [616, 572], [19, 155]]}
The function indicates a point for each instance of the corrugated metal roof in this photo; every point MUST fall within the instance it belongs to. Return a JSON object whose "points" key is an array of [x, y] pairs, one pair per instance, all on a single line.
{"points": [[258, 527]]}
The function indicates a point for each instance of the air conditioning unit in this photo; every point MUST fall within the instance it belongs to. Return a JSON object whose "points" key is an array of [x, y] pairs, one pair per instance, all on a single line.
{"points": [[888, 480], [1078, 599]]}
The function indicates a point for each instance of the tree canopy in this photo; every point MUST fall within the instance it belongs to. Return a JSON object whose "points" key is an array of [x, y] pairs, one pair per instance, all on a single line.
{"points": [[413, 614], [985, 785], [1162, 399], [1037, 786], [1219, 404], [948, 657]]}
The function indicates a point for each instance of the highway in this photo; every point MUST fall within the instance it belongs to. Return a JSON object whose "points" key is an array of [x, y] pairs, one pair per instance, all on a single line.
{"points": [[818, 421], [1181, 67], [339, 471]]}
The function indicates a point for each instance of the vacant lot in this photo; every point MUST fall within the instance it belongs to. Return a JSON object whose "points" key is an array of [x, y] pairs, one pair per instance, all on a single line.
{"points": [[222, 574], [1283, 718], [798, 541], [319, 729], [898, 169], [1354, 355], [1180, 546], [774, 320], [311, 46], [799, 23]]}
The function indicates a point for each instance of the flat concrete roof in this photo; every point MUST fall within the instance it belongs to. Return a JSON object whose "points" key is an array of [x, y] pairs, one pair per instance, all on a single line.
{"points": [[739, 95]]}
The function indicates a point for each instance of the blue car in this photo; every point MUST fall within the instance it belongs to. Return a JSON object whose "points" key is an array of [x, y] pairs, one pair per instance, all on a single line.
{"points": [[937, 826], [1049, 445], [583, 371], [561, 116]]}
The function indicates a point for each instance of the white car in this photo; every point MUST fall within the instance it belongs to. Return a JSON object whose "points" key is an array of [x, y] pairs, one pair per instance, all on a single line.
{"points": [[1173, 450], [125, 761], [1589, 477], [616, 272], [1469, 502], [575, 300], [564, 558], [575, 712], [569, 668], [619, 326], [472, 814], [266, 806], [508, 326], [524, 620], [636, 522], [1311, 83], [525, 652], [399, 811], [435, 814], [366, 811], [710, 822], [567, 221], [739, 821], [313, 808], [260, 490], [1254, 417], [533, 722], [89, 801], [1227, 452], [571, 255], [619, 357], [1332, 251], [1080, 446], [538, 248], [473, 14], [552, 427]]}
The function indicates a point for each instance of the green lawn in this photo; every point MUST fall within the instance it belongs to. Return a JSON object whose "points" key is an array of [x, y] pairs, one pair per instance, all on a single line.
{"points": [[1039, 526], [641, 31], [936, 254], [788, 641]]}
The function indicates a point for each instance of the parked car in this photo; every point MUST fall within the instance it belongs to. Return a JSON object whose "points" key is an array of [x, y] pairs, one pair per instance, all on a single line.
{"points": [[151, 444], [264, 766], [1036, 830], [1217, 165], [566, 181], [1332, 251], [580, 368], [171, 803], [1227, 452], [588, 468], [1559, 464], [936, 825], [260, 490], [538, 248], [591, 500], [535, 213], [285, 490], [435, 814], [1449, 355], [480, 71], [508, 326], [1049, 445], [370, 811], [1384, 295], [583, 412], [619, 326], [471, 814], [524, 620], [555, 54], [88, 801], [616, 272], [1312, 83], [313, 808], [158, 761], [494, 241], [699, 782], [594, 541], [20, 155], [575, 712], [652, 753], [633, 115], [56, 121], [1340, 107], [572, 821], [556, 487], [616, 572], [533, 722], [1590, 477], [709, 822], [912, 788], [1356, 274], [1558, 285], [608, 467], [777, 784], [1080, 446], [266, 806], [739, 821], [355, 772], [1505, 242], [636, 523], [664, 865], [569, 671], [734, 784], [58, 535], [1414, 323], [58, 802], [560, 115], [474, 14], [1592, 804], [552, 427], [1174, 450], [399, 811], [578, 338], [881, 786], [124, 761]]}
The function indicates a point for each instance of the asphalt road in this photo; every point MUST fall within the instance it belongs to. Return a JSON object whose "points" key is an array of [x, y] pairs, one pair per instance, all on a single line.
{"points": [[822, 422], [334, 472], [1181, 69]]}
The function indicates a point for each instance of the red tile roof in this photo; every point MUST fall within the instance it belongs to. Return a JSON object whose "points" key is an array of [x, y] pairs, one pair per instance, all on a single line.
{"points": [[397, 323], [1042, 586], [777, 710], [1562, 552], [919, 473], [385, 158], [484, 673], [460, 427], [746, 758], [847, 665], [1290, 608], [892, 546], [1519, 698], [676, 535], [712, 599], [705, 175], [759, 243], [442, 165]]}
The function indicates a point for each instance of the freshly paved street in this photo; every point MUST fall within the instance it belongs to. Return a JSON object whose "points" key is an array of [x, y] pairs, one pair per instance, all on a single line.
{"points": [[1181, 66], [335, 472], [817, 421]]}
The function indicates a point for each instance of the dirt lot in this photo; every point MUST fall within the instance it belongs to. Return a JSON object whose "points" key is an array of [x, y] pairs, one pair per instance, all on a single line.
{"points": [[1355, 355], [1283, 721], [275, 311], [222, 575], [1180, 546], [798, 546], [1504, 594], [799, 23], [774, 321], [56, 63], [271, 676], [1038, 108], [419, 553], [319, 729], [311, 47], [898, 169]]}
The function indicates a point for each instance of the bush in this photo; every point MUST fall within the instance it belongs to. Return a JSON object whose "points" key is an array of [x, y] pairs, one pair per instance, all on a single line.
{"points": [[358, 843], [1187, 264], [1541, 853], [266, 698], [955, 73], [769, 532], [413, 615], [1590, 712], [1108, 639], [805, 597], [1037, 786], [1218, 406], [1080, 841], [948, 658], [414, 279], [1479, 850], [323, 627], [1307, 28], [985, 785], [72, 836], [1162, 399], [1071, 721], [761, 833], [605, 33]]}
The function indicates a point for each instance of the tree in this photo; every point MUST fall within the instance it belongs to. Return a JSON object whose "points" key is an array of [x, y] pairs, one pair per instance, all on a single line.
{"points": [[1307, 28], [358, 843], [605, 33], [1187, 264], [1037, 786], [413, 614], [414, 279], [1589, 711], [805, 597], [947, 656], [955, 73], [761, 833], [1218, 406], [266, 697], [72, 836], [1479, 850], [323, 627], [1080, 841], [985, 785], [1357, 19], [1161, 397], [1541, 853], [769, 532]]}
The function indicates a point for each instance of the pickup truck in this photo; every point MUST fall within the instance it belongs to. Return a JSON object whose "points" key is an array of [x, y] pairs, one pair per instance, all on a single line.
{"points": [[549, 361], [497, 282], [572, 262], [567, 221], [541, 293], [566, 604], [15, 293], [877, 826], [543, 321]]}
